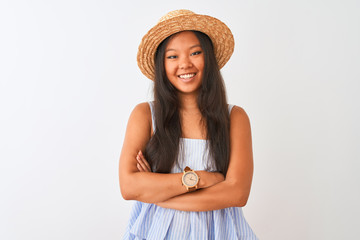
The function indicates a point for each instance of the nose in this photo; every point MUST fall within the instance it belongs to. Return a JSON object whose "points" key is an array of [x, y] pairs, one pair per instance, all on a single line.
{"points": [[185, 63]]}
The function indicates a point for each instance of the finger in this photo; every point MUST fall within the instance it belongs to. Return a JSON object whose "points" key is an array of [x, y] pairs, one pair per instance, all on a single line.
{"points": [[141, 163], [143, 166], [139, 167], [145, 162]]}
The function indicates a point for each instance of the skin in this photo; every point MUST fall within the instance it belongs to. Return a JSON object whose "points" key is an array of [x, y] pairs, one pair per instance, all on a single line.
{"points": [[183, 55], [137, 182]]}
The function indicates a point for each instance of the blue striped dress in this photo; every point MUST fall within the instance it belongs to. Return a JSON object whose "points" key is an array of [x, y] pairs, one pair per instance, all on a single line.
{"points": [[151, 222]]}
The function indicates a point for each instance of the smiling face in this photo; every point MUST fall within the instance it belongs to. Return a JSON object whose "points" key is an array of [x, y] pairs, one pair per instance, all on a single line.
{"points": [[184, 62]]}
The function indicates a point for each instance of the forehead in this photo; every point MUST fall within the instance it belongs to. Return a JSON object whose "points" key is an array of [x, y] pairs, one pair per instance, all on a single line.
{"points": [[183, 39]]}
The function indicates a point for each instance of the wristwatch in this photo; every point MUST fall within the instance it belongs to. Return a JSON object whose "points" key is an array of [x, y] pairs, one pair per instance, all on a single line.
{"points": [[190, 179]]}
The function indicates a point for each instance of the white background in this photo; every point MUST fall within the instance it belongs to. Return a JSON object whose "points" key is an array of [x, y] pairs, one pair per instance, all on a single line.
{"points": [[69, 81]]}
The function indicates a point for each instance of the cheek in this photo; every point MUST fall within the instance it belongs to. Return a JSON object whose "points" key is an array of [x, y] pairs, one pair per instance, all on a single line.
{"points": [[202, 67], [169, 68], [201, 64]]}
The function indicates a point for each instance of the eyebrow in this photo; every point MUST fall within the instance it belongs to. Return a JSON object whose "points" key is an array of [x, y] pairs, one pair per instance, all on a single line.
{"points": [[171, 49]]}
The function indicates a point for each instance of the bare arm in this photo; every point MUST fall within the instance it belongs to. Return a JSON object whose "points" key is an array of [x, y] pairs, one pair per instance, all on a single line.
{"points": [[235, 190], [147, 186]]}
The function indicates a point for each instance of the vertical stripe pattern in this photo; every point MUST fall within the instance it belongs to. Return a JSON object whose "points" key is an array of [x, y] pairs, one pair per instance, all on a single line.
{"points": [[151, 222]]}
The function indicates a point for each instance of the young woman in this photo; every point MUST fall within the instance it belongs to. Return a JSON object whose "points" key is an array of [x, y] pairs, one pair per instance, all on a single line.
{"points": [[187, 156]]}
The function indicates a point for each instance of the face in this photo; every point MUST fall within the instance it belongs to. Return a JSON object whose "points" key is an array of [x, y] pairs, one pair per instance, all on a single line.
{"points": [[184, 62]]}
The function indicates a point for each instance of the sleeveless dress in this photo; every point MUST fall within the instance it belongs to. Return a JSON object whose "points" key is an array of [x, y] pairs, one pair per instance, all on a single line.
{"points": [[151, 222]]}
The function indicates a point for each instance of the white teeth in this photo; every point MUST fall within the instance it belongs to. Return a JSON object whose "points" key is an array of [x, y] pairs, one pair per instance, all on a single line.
{"points": [[186, 76]]}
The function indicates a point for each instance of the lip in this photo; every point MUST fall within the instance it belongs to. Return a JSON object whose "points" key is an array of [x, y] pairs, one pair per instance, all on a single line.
{"points": [[187, 79]]}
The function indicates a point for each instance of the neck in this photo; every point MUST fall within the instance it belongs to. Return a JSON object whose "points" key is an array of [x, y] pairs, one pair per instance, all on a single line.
{"points": [[188, 102]]}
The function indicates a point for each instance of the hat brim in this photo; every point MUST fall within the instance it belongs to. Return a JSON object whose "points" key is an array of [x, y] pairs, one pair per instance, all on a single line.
{"points": [[219, 33]]}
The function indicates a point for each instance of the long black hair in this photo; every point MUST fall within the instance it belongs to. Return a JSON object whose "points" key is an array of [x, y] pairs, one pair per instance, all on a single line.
{"points": [[163, 148]]}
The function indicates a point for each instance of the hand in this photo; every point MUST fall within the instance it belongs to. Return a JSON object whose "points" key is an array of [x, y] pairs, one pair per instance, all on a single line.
{"points": [[208, 179], [142, 164], [217, 178]]}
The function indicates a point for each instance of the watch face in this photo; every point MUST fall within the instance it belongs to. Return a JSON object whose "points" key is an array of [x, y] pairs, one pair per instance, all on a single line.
{"points": [[190, 179]]}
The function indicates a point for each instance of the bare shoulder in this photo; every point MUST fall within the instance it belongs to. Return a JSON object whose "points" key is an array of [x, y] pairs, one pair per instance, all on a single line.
{"points": [[238, 116], [140, 117], [141, 113], [142, 109]]}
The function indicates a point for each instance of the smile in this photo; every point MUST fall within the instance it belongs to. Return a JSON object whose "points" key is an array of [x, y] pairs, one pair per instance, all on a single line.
{"points": [[187, 76]]}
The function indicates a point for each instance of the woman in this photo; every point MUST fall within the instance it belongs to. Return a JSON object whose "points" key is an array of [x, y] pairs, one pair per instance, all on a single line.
{"points": [[187, 156]]}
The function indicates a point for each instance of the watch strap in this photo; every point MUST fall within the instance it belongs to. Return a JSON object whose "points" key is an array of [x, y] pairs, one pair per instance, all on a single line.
{"points": [[192, 189]]}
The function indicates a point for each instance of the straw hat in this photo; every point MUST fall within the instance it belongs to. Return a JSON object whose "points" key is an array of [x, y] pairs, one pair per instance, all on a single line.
{"points": [[182, 20]]}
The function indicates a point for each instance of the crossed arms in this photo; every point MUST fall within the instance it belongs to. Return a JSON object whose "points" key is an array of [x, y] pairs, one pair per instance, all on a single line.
{"points": [[137, 182]]}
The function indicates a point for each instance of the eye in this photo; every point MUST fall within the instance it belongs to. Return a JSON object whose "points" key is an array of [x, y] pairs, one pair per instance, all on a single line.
{"points": [[171, 57], [196, 53]]}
